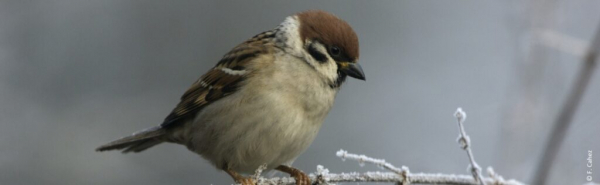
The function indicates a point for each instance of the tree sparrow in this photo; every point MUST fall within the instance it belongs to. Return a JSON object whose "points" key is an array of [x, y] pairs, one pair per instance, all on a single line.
{"points": [[265, 100]]}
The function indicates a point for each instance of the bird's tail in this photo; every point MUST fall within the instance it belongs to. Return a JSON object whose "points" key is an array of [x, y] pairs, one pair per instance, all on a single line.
{"points": [[137, 142]]}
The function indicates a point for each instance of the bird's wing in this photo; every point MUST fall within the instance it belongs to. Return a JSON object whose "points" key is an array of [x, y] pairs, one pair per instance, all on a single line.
{"points": [[222, 80]]}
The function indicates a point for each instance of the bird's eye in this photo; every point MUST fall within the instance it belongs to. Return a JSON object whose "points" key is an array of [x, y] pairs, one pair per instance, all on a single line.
{"points": [[335, 51]]}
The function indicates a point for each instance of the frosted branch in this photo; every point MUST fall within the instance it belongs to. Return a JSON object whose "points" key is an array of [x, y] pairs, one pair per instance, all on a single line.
{"points": [[363, 158], [397, 175], [391, 177], [259, 171], [465, 143]]}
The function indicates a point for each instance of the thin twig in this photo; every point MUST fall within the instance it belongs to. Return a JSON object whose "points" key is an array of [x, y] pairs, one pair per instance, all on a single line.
{"points": [[465, 143], [562, 122], [403, 172], [363, 158]]}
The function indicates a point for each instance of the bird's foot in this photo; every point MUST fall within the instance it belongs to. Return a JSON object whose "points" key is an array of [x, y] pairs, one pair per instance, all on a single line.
{"points": [[300, 177], [246, 181], [241, 179]]}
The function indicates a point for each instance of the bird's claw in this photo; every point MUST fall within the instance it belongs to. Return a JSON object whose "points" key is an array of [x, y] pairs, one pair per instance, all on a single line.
{"points": [[301, 178], [246, 181], [239, 179]]}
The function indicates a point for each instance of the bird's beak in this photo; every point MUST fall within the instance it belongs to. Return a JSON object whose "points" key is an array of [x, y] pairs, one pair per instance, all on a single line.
{"points": [[352, 69]]}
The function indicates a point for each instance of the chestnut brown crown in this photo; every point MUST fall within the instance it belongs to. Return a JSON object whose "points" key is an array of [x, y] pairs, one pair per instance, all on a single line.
{"points": [[329, 30]]}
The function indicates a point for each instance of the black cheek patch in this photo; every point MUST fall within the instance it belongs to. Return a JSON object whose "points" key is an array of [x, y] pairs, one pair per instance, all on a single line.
{"points": [[316, 54], [238, 68]]}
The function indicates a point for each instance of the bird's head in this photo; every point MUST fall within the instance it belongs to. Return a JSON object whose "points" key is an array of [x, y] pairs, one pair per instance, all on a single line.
{"points": [[327, 43]]}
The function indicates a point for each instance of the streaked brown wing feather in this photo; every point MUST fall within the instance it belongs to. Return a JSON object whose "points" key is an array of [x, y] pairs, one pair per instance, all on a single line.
{"points": [[216, 83]]}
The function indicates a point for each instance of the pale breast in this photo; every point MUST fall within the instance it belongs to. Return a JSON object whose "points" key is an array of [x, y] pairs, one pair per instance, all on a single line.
{"points": [[272, 119]]}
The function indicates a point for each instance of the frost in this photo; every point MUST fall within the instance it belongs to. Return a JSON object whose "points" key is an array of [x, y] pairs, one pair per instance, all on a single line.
{"points": [[322, 173], [460, 114], [342, 154]]}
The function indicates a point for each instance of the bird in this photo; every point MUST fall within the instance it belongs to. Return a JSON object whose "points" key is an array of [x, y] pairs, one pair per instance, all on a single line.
{"points": [[264, 102]]}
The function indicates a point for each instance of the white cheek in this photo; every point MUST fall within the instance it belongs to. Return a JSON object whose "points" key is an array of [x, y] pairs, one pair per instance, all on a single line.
{"points": [[327, 69], [289, 33]]}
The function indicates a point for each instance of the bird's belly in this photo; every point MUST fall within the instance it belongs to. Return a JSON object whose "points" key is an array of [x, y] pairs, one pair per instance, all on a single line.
{"points": [[256, 130]]}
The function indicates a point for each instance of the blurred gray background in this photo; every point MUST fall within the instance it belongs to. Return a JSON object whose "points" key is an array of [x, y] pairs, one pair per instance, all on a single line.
{"points": [[75, 74]]}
